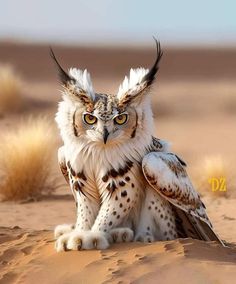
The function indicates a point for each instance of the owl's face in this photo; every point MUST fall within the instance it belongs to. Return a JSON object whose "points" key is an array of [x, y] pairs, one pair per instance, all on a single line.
{"points": [[102, 118], [105, 122]]}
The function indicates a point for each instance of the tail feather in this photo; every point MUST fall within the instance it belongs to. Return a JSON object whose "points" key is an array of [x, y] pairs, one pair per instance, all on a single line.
{"points": [[191, 226]]}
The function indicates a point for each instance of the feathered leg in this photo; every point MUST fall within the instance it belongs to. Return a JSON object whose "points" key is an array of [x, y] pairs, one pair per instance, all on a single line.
{"points": [[157, 220], [115, 211]]}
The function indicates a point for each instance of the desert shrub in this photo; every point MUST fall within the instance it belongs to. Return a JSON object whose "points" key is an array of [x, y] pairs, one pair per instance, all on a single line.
{"points": [[214, 175], [10, 89], [25, 160]]}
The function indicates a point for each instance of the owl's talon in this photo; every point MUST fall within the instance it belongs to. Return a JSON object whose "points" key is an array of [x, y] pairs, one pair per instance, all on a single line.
{"points": [[95, 243], [61, 243], [114, 237], [65, 247], [122, 235], [79, 244], [144, 238], [79, 240]]}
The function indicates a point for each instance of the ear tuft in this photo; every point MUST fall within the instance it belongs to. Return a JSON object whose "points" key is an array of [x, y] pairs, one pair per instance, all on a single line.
{"points": [[82, 81], [77, 83], [139, 81], [150, 76], [135, 78], [63, 76]]}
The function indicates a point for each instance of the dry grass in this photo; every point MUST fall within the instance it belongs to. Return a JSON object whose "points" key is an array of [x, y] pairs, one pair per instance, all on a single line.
{"points": [[25, 161], [215, 176], [10, 89]]}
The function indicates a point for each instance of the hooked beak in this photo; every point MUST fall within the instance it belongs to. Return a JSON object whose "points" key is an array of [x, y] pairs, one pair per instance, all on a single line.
{"points": [[105, 135]]}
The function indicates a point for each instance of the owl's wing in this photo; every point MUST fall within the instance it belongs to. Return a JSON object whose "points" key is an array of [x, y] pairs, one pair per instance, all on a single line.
{"points": [[63, 167], [62, 164], [165, 172]]}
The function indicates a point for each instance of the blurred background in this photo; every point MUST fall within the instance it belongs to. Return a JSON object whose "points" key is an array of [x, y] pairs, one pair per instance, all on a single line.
{"points": [[121, 22], [194, 97]]}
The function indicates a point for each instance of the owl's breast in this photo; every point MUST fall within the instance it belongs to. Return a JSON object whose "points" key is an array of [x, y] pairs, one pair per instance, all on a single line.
{"points": [[127, 176], [104, 172]]}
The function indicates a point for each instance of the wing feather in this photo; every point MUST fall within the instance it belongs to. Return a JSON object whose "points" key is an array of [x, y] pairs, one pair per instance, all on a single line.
{"points": [[62, 164], [63, 168], [166, 173], [191, 226]]}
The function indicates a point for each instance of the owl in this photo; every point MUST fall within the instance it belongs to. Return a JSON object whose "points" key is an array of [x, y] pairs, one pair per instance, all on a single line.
{"points": [[127, 184]]}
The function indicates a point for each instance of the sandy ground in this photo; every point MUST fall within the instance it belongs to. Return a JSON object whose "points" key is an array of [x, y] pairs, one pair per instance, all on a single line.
{"points": [[194, 103], [28, 257]]}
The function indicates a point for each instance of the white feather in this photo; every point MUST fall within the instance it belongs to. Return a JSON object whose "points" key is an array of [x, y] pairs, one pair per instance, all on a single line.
{"points": [[135, 77], [83, 81]]}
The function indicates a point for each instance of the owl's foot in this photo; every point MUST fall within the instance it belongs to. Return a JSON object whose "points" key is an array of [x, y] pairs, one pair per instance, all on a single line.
{"points": [[82, 240], [144, 237], [122, 235], [63, 229]]}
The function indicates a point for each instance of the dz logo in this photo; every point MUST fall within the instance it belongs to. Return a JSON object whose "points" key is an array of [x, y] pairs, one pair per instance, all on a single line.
{"points": [[217, 184]]}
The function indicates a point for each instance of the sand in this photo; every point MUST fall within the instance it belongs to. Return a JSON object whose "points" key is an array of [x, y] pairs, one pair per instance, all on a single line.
{"points": [[194, 103], [28, 257]]}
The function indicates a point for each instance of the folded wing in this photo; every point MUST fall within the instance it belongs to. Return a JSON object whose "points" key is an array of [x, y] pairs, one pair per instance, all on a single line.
{"points": [[166, 173]]}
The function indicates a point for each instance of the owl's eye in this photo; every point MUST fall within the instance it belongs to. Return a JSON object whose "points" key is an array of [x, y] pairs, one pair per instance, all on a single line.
{"points": [[90, 119], [121, 119]]}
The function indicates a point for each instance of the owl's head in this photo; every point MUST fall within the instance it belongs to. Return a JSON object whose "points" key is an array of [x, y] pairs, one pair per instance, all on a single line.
{"points": [[106, 118]]}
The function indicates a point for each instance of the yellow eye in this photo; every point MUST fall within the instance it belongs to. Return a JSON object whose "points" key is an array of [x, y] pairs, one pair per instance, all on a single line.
{"points": [[121, 119], [90, 119]]}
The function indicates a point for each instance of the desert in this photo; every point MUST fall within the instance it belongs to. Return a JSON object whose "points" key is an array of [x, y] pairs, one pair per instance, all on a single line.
{"points": [[194, 105]]}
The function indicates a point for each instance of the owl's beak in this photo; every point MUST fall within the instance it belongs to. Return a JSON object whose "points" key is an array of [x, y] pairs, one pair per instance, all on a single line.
{"points": [[105, 135]]}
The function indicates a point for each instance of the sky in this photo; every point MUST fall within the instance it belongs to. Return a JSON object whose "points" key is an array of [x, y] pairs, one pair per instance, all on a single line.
{"points": [[119, 22]]}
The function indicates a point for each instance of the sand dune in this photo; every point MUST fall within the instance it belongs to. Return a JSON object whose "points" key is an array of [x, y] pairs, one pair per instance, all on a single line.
{"points": [[28, 257]]}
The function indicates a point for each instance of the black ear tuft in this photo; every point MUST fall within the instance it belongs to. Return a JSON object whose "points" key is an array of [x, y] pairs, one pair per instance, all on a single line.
{"points": [[150, 76], [63, 76]]}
